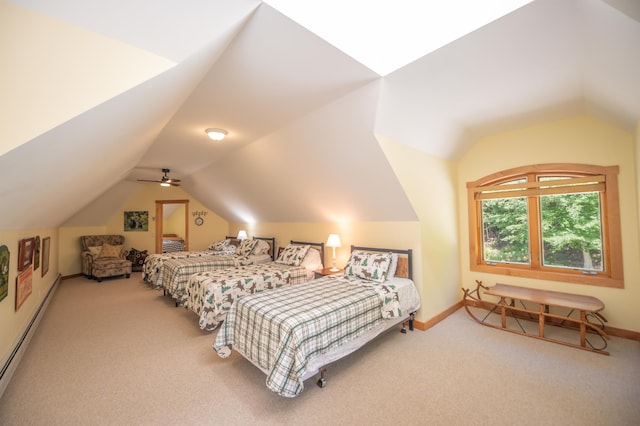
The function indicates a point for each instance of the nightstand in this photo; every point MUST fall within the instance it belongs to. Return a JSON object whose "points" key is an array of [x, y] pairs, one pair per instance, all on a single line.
{"points": [[326, 271]]}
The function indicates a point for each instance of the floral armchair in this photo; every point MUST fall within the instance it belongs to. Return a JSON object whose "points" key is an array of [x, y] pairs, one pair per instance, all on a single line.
{"points": [[104, 256]]}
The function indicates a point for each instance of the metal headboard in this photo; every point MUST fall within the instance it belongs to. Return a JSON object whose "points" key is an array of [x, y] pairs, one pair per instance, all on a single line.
{"points": [[408, 253]]}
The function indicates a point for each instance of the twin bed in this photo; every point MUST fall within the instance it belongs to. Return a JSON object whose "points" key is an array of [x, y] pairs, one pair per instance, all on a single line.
{"points": [[292, 333], [171, 271], [172, 243], [281, 319], [211, 294]]}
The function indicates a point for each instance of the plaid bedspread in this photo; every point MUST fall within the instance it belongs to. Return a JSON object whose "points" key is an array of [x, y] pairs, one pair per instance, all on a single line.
{"points": [[211, 294], [175, 273], [153, 262], [172, 246], [281, 330]]}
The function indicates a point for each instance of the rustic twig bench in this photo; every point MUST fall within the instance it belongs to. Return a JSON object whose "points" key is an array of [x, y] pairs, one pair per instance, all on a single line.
{"points": [[587, 307]]}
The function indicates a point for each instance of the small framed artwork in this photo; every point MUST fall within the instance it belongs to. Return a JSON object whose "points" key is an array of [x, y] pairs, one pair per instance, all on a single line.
{"points": [[4, 271], [36, 253], [46, 248], [136, 221], [24, 284], [25, 253]]}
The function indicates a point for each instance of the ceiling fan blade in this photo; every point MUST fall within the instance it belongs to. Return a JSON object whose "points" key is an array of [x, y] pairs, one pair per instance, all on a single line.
{"points": [[163, 180]]}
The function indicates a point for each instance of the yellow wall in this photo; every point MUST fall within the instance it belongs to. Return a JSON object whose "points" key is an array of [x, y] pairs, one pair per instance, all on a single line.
{"points": [[174, 223], [200, 237], [13, 323], [69, 260], [575, 140], [430, 185], [637, 157]]}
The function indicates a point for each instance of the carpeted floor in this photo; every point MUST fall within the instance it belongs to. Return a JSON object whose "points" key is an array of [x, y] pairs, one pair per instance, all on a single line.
{"points": [[119, 353]]}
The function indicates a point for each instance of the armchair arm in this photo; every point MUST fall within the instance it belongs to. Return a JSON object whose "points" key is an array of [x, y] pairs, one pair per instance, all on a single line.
{"points": [[87, 262], [87, 256]]}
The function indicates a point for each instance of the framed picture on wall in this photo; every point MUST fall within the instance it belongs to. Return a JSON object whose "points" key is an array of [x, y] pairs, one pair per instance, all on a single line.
{"points": [[25, 253], [24, 284], [36, 253], [46, 248], [136, 221], [4, 271]]}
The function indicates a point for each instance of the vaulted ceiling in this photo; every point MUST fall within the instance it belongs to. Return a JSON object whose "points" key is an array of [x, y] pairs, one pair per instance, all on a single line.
{"points": [[99, 94]]}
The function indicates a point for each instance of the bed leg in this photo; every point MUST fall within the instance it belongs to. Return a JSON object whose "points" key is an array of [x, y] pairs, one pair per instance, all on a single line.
{"points": [[322, 382], [410, 321]]}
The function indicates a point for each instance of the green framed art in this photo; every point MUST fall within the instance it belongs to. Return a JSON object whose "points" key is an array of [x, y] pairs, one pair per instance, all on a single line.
{"points": [[136, 221]]}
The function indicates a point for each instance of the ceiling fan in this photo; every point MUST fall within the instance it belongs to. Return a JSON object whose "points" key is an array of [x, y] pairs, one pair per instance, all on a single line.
{"points": [[165, 180]]}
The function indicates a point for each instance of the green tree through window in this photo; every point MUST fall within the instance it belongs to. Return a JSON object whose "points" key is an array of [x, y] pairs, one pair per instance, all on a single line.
{"points": [[506, 234], [548, 222], [571, 231]]}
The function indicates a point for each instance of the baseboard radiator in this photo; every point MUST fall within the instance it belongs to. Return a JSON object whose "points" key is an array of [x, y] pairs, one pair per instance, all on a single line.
{"points": [[12, 362]]}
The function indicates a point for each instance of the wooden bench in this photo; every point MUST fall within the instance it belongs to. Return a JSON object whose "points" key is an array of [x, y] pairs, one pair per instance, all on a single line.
{"points": [[587, 307]]}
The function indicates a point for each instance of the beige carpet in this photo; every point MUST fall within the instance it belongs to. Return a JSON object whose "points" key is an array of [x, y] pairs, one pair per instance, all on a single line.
{"points": [[119, 353]]}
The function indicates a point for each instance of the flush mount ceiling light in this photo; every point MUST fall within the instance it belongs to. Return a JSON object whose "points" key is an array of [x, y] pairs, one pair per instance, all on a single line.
{"points": [[216, 134]]}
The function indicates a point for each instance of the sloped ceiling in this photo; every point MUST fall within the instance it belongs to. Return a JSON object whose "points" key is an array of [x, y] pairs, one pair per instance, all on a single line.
{"points": [[302, 116], [548, 60]]}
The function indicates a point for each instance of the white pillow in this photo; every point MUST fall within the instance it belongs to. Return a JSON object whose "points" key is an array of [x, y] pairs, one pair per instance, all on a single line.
{"points": [[312, 260], [394, 265], [261, 248]]}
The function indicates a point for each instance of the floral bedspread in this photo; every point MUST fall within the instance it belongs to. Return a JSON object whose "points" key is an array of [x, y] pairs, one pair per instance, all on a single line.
{"points": [[211, 294], [175, 273]]}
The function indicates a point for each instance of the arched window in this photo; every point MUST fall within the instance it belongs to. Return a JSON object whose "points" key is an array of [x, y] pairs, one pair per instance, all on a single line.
{"points": [[558, 222]]}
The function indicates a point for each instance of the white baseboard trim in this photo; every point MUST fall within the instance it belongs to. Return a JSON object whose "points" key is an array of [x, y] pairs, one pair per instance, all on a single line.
{"points": [[12, 362]]}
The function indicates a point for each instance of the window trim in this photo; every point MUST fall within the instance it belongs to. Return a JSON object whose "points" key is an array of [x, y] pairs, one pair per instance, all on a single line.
{"points": [[607, 183]]}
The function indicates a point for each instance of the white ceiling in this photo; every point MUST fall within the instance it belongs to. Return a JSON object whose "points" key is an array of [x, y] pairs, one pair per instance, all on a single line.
{"points": [[387, 35], [302, 115]]}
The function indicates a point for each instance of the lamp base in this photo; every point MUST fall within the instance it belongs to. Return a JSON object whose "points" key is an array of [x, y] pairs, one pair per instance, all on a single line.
{"points": [[334, 269]]}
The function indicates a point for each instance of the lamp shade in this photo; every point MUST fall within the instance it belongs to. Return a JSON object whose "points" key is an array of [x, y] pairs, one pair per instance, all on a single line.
{"points": [[333, 240], [242, 235], [216, 134]]}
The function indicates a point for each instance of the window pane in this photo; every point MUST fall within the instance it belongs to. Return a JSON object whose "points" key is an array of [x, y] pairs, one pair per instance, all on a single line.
{"points": [[505, 230], [572, 231]]}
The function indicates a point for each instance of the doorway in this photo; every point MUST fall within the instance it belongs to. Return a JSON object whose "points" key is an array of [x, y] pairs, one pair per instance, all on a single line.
{"points": [[161, 206]]}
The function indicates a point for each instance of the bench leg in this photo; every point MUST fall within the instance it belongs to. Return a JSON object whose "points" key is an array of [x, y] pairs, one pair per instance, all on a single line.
{"points": [[583, 329]]}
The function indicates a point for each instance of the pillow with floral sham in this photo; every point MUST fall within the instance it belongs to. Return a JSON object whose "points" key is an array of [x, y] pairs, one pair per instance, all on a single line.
{"points": [[368, 266], [227, 250], [95, 251], [110, 251], [219, 245], [293, 254], [246, 247]]}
